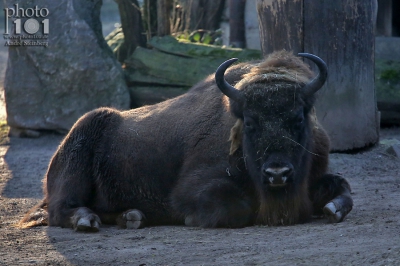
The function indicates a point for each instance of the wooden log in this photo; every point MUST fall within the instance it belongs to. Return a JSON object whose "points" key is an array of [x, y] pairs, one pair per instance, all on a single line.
{"points": [[146, 95], [158, 66], [161, 65], [135, 76], [342, 33], [169, 44]]}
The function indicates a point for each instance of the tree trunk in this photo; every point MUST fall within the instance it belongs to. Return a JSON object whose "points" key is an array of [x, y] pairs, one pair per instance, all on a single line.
{"points": [[150, 17], [236, 23], [132, 27], [163, 16], [341, 33], [205, 14]]}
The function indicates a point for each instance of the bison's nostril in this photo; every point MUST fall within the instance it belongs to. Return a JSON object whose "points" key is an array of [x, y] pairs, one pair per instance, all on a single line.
{"points": [[288, 172], [277, 172]]}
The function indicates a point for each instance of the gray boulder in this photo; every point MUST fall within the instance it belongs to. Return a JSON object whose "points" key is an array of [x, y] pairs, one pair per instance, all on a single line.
{"points": [[49, 88]]}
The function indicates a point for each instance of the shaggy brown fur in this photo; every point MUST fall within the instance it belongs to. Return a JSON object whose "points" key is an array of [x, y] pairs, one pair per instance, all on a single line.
{"points": [[172, 163], [280, 66]]}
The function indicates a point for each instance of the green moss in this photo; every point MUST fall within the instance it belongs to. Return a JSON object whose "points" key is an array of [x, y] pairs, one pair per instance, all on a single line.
{"points": [[390, 74], [4, 129], [153, 66], [184, 47], [387, 80], [167, 62]]}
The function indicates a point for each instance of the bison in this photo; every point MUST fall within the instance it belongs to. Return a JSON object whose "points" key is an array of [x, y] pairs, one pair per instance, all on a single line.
{"points": [[217, 156]]}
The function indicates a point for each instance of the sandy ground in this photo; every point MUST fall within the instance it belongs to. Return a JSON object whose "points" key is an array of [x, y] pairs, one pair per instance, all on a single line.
{"points": [[369, 236]]}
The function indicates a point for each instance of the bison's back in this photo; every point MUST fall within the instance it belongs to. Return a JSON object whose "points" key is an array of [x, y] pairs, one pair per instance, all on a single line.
{"points": [[112, 161]]}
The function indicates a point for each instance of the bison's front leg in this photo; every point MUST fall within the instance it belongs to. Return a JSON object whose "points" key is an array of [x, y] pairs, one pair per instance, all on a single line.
{"points": [[211, 202], [331, 195]]}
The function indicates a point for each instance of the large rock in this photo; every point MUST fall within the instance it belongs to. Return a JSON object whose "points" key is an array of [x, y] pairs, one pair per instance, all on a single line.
{"points": [[49, 88]]}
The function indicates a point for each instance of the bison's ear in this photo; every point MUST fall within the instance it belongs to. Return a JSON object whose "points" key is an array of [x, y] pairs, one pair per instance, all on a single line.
{"points": [[236, 108], [236, 136]]}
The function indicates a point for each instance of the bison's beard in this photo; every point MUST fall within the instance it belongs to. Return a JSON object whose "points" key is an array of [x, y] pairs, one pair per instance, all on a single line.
{"points": [[286, 206]]}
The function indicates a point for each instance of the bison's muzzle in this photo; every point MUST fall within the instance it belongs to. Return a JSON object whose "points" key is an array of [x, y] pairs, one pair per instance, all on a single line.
{"points": [[277, 176]]}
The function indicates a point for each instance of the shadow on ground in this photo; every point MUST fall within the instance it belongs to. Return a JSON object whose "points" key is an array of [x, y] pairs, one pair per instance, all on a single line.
{"points": [[26, 161]]}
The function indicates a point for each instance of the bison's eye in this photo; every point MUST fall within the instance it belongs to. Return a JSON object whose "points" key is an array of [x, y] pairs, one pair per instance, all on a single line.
{"points": [[299, 120], [249, 124]]}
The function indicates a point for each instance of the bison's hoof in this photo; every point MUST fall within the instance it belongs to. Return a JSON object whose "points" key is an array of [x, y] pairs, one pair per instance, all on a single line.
{"points": [[333, 214], [135, 219], [88, 225]]}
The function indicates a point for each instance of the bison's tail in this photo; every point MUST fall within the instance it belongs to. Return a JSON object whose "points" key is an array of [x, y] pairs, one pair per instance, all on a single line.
{"points": [[35, 217]]}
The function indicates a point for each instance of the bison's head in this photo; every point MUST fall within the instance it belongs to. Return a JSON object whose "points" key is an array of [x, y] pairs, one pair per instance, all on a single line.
{"points": [[274, 103]]}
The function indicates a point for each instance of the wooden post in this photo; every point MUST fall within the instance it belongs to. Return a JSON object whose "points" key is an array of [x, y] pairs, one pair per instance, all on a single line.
{"points": [[342, 33]]}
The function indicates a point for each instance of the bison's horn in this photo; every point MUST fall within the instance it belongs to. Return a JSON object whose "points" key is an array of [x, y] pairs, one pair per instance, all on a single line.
{"points": [[314, 85], [224, 86]]}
